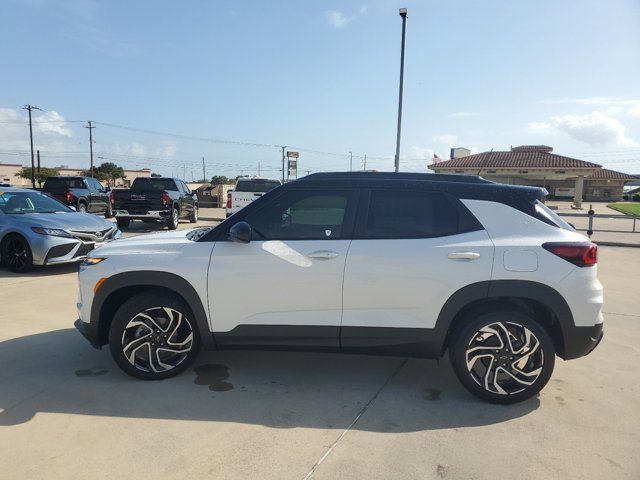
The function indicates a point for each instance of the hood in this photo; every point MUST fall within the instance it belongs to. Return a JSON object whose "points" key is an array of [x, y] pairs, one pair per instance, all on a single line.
{"points": [[162, 242], [66, 221]]}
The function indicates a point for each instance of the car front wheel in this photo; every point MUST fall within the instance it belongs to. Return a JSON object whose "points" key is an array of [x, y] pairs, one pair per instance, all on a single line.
{"points": [[503, 356], [16, 254], [153, 336]]}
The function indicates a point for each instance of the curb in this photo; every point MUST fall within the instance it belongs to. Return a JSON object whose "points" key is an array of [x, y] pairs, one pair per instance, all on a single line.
{"points": [[617, 244]]}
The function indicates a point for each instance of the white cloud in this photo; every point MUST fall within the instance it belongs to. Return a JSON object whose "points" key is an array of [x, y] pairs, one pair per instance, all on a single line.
{"points": [[52, 123], [447, 139], [607, 105], [594, 129], [50, 131], [337, 19]]}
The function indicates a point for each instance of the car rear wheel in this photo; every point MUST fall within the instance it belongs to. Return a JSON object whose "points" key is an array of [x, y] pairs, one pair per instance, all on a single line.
{"points": [[172, 222], [503, 356], [193, 218], [153, 336], [123, 222], [16, 254]]}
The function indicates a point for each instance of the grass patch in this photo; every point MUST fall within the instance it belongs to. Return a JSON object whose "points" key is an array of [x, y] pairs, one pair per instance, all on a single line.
{"points": [[627, 208]]}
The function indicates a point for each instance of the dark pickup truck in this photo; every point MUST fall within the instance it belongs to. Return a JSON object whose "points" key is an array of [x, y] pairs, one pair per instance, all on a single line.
{"points": [[155, 199], [85, 194]]}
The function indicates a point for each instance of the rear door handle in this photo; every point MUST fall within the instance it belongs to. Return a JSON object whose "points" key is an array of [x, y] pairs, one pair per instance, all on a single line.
{"points": [[322, 255], [464, 255]]}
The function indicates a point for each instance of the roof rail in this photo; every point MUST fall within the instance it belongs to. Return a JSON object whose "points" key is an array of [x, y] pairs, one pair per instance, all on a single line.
{"points": [[426, 177]]}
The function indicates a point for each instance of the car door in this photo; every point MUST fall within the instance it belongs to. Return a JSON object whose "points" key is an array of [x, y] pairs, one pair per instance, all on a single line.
{"points": [[284, 288], [412, 249], [185, 206], [98, 201]]}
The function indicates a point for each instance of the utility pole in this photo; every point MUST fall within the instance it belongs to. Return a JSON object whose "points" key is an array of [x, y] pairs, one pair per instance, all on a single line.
{"points": [[90, 127], [204, 171], [365, 161], [39, 181], [33, 167], [350, 161], [283, 147], [184, 171], [258, 168], [403, 14]]}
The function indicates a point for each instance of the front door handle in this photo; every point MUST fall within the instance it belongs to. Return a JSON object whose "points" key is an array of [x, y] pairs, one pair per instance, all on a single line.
{"points": [[464, 255], [322, 255]]}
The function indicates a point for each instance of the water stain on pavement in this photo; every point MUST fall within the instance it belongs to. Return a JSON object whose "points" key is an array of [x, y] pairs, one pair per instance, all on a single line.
{"points": [[92, 372], [214, 376]]}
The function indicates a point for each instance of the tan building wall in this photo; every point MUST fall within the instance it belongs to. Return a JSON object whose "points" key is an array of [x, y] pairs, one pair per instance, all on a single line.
{"points": [[8, 173]]}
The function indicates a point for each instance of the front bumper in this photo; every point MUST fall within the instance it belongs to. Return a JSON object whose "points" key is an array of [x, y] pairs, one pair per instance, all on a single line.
{"points": [[89, 332], [50, 250], [581, 341]]}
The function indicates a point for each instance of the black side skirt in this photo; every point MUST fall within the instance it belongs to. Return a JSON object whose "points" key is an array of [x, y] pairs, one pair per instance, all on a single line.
{"points": [[406, 342]]}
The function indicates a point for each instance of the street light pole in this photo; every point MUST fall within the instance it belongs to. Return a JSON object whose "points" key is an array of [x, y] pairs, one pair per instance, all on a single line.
{"points": [[403, 14]]}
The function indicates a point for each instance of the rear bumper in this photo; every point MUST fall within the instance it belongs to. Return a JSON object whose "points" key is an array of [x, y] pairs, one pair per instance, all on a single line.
{"points": [[581, 341], [149, 215]]}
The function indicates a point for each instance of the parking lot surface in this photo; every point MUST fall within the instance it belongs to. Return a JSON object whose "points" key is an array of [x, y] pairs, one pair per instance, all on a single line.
{"points": [[67, 411]]}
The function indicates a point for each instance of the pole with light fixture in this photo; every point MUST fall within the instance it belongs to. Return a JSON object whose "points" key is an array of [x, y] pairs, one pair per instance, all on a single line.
{"points": [[403, 14]]}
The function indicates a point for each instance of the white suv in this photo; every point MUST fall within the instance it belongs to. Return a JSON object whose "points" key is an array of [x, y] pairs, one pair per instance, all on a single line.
{"points": [[382, 263]]}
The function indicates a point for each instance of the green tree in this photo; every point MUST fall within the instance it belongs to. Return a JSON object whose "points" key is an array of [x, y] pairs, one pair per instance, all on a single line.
{"points": [[221, 180], [107, 172], [45, 172], [156, 175]]}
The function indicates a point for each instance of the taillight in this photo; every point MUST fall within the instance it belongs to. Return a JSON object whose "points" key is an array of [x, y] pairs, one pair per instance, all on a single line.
{"points": [[580, 254], [165, 198], [69, 197], [229, 200], [112, 198]]}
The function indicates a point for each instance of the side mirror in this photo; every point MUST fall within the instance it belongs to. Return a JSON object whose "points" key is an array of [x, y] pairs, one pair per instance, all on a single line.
{"points": [[240, 232]]}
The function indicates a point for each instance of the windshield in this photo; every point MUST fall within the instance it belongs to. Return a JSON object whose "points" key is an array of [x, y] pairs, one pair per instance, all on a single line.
{"points": [[153, 184], [29, 202], [58, 182], [552, 216], [256, 185]]}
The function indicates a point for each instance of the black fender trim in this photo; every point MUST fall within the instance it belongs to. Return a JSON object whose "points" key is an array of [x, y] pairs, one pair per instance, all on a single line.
{"points": [[141, 279], [496, 289]]}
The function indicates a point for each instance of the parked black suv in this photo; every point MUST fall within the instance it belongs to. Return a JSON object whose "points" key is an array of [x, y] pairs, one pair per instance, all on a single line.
{"points": [[155, 199], [85, 194]]}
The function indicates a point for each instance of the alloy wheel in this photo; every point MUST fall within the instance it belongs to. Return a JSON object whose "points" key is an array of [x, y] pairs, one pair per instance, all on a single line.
{"points": [[16, 254], [504, 358], [157, 339]]}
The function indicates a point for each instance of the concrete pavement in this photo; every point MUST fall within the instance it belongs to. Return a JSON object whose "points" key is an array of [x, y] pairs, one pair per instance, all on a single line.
{"points": [[67, 411]]}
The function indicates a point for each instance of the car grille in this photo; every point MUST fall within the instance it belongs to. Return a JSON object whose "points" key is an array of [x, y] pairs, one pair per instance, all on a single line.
{"points": [[83, 250], [94, 235]]}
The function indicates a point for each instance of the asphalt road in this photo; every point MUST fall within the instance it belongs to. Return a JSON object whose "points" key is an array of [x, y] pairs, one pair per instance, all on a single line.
{"points": [[67, 411]]}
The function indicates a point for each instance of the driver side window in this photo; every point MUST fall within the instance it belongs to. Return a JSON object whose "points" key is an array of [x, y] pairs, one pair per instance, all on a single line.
{"points": [[297, 215]]}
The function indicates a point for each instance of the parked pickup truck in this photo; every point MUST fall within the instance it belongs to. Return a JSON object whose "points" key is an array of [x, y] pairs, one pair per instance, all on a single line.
{"points": [[247, 190], [155, 199], [85, 194]]}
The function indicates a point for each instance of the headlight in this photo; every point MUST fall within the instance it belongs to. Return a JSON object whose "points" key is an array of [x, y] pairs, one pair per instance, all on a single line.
{"points": [[55, 232], [92, 261]]}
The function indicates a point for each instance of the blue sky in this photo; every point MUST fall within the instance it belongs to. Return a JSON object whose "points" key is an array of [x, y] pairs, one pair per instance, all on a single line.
{"points": [[321, 76]]}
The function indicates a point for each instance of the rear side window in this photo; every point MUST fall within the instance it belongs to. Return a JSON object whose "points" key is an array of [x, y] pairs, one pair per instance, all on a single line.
{"points": [[61, 182], [547, 215], [415, 214]]}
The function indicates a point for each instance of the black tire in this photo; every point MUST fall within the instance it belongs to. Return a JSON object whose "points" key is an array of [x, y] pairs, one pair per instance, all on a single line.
{"points": [[137, 359], [16, 254], [123, 222], [172, 221], [193, 216], [498, 364], [109, 212], [82, 207]]}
